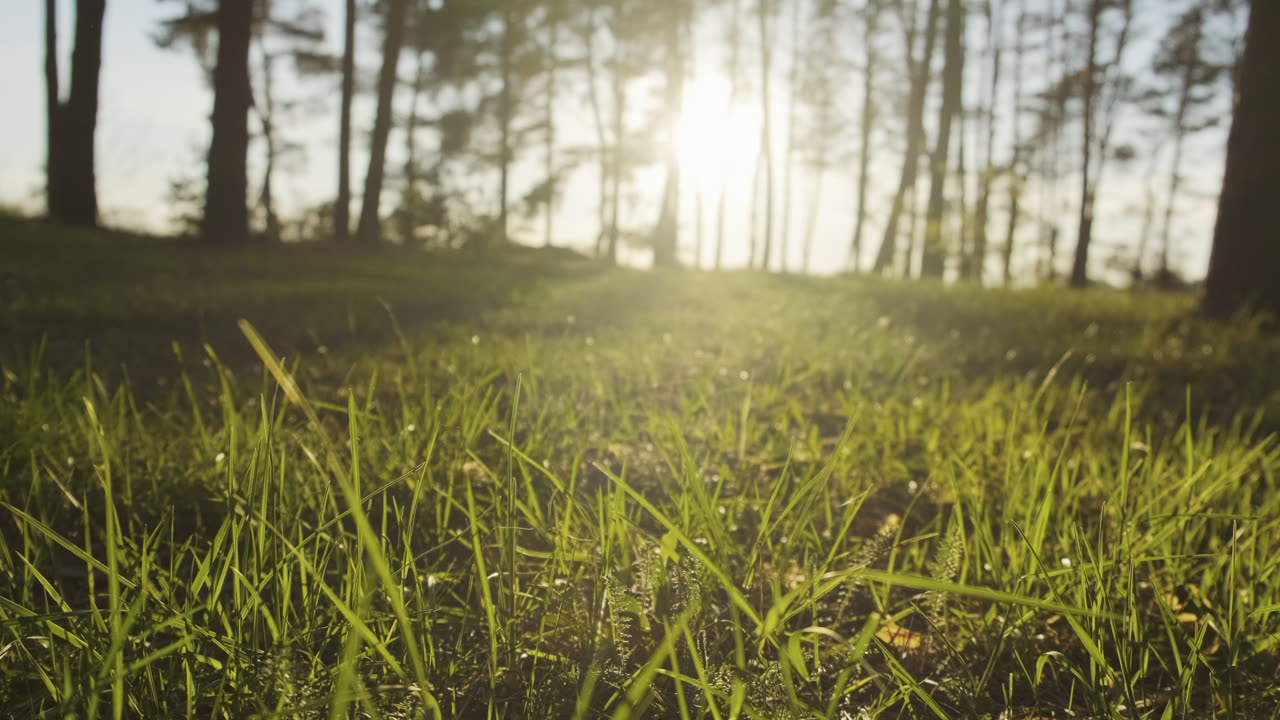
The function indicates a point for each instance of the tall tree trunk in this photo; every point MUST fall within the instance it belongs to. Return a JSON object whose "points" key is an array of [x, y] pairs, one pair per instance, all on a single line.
{"points": [[619, 154], [1050, 208], [266, 115], [913, 217], [666, 234], [1089, 183], [73, 183], [1245, 259], [933, 262], [226, 211], [602, 141], [409, 205], [1080, 265], [766, 131], [978, 261], [506, 112], [864, 152], [53, 114], [369, 230], [915, 136], [811, 222], [1180, 133], [1016, 174], [553, 32], [342, 205], [735, 43], [757, 179], [789, 153], [1148, 216]]}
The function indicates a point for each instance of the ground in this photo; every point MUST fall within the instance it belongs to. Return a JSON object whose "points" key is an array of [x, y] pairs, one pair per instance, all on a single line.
{"points": [[394, 484]]}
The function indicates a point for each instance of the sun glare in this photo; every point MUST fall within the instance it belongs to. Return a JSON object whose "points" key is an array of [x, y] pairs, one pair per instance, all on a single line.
{"points": [[715, 139]]}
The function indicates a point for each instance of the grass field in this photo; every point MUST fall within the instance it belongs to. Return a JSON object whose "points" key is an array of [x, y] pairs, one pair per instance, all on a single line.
{"points": [[414, 485]]}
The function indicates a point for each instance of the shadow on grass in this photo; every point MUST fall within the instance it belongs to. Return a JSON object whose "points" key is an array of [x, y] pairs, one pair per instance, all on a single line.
{"points": [[123, 300]]}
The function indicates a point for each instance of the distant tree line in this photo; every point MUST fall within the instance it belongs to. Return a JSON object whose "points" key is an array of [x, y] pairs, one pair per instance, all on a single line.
{"points": [[1001, 104]]}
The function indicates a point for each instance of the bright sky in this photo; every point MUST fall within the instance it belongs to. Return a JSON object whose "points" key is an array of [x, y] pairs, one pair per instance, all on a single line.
{"points": [[153, 129]]}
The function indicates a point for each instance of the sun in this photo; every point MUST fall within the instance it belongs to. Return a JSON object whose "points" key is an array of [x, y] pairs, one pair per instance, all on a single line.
{"points": [[713, 138]]}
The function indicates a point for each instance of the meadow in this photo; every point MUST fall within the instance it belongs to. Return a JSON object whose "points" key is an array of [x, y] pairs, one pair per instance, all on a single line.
{"points": [[298, 483]]}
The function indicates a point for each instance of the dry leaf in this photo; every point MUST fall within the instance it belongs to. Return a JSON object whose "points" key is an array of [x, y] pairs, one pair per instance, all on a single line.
{"points": [[895, 635]]}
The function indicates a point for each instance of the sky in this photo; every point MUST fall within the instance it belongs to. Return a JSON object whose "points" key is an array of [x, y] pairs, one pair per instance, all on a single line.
{"points": [[153, 130]]}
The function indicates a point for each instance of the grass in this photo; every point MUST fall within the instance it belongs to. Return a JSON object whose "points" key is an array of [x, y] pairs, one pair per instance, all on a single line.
{"points": [[535, 488]]}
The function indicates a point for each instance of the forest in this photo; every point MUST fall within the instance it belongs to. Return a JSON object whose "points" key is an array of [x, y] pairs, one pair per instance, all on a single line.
{"points": [[841, 359]]}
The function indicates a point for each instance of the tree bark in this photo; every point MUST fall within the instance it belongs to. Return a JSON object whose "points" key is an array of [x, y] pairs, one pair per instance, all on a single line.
{"points": [[409, 202], [369, 230], [342, 205], [72, 185], [915, 135], [864, 152], [53, 114], [506, 111], [976, 262], [597, 116], [619, 82], [266, 114], [934, 259], [735, 44], [666, 234], [1016, 174], [1245, 260], [766, 132], [553, 32], [1080, 265], [226, 212], [1180, 134], [789, 152]]}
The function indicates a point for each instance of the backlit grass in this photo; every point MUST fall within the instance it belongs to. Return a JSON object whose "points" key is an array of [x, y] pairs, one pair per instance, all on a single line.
{"points": [[624, 495]]}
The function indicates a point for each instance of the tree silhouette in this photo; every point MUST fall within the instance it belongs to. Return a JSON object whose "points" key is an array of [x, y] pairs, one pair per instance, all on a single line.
{"points": [[1245, 260], [226, 213], [71, 189], [369, 230]]}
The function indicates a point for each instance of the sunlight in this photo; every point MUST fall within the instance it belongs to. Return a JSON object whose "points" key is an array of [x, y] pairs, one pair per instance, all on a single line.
{"points": [[712, 138]]}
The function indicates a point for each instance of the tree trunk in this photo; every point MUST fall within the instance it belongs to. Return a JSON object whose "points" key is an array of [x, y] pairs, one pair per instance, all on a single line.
{"points": [[915, 135], [766, 132], [1080, 266], [1148, 216], [753, 237], [226, 212], [597, 116], [811, 222], [73, 185], [1180, 133], [369, 230], [1245, 259], [266, 113], [53, 114], [553, 32], [506, 111], [409, 205], [981, 215], [342, 205], [666, 234], [619, 128], [864, 152], [735, 43], [789, 153], [1016, 174], [933, 262], [1011, 230], [913, 216], [697, 225]]}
